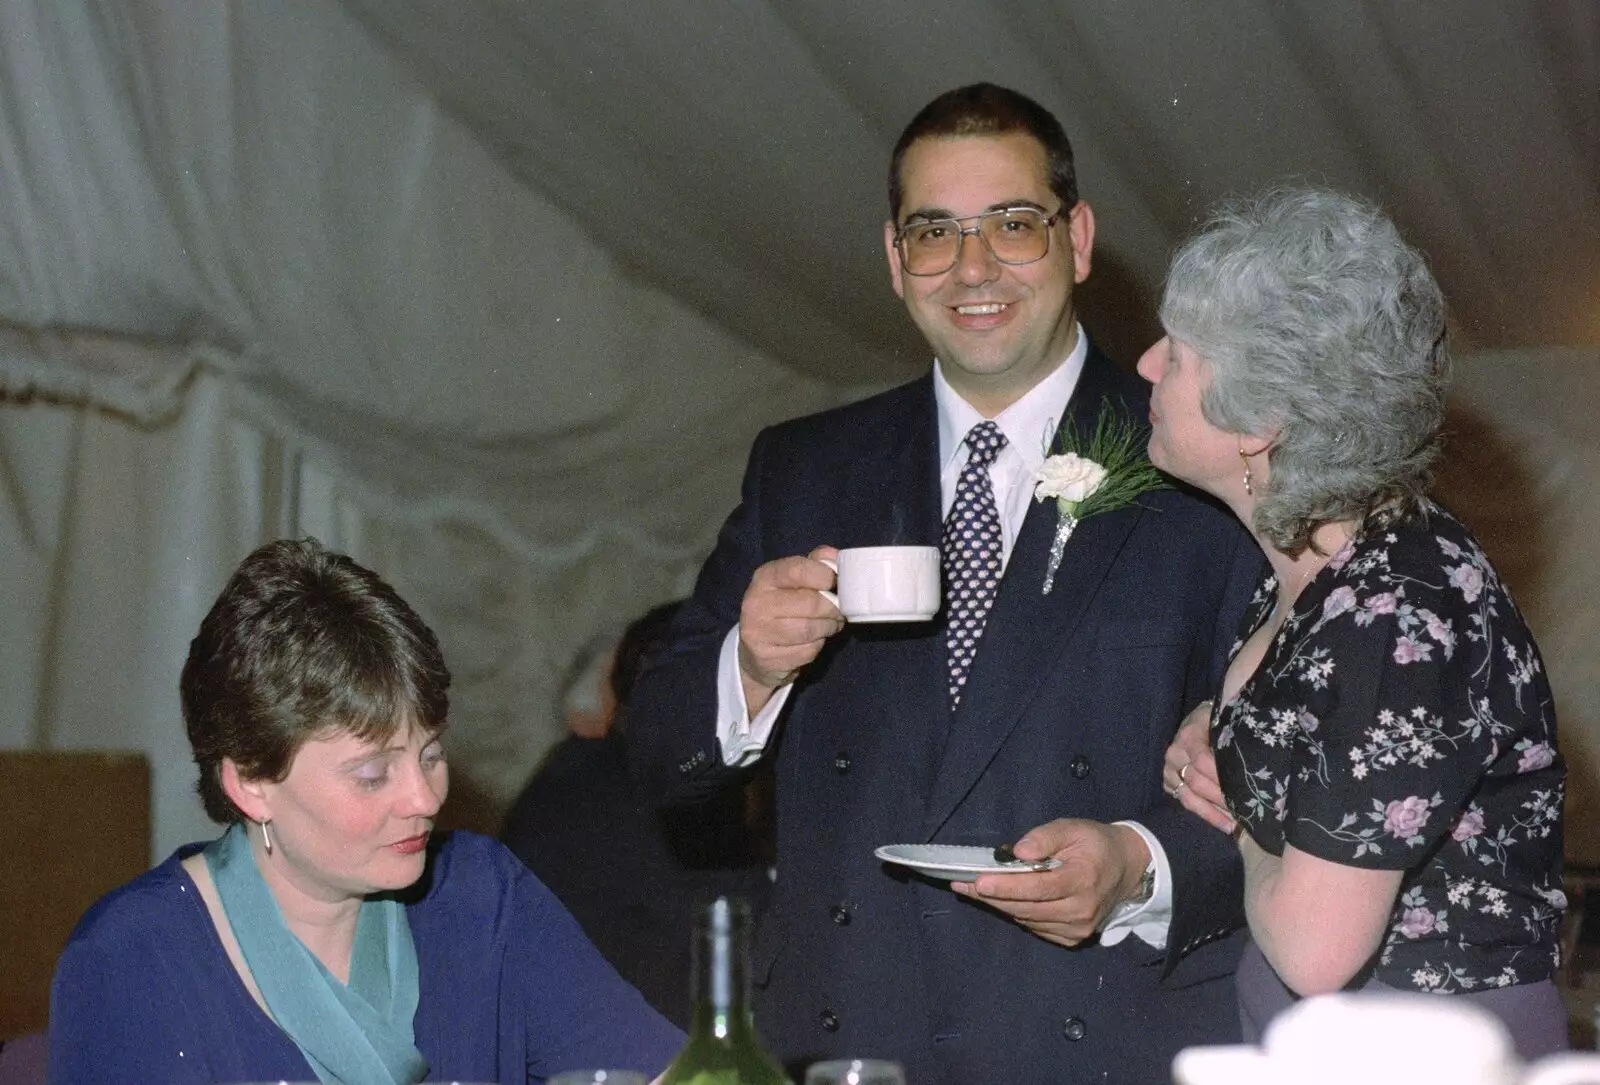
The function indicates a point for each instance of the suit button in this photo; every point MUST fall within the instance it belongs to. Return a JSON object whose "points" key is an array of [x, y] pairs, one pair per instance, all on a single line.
{"points": [[840, 915], [841, 762], [1079, 767], [829, 1020], [1074, 1029], [685, 767]]}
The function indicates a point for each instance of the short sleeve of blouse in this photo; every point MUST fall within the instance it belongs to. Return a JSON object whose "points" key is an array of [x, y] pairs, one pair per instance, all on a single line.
{"points": [[1389, 747]]}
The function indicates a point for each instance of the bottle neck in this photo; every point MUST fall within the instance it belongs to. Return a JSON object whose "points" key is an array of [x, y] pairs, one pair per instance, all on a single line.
{"points": [[721, 975], [725, 1025]]}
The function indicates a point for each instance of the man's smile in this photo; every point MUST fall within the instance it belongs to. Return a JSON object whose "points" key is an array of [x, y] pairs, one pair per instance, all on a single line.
{"points": [[983, 316]]}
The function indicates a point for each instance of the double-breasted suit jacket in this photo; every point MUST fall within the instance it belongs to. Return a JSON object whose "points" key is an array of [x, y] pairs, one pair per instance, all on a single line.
{"points": [[1067, 711]]}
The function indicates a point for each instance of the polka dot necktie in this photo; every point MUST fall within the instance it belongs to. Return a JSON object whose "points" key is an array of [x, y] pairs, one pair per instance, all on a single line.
{"points": [[972, 552]]}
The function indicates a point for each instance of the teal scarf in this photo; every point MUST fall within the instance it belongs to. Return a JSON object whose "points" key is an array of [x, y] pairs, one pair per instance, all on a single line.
{"points": [[355, 1033]]}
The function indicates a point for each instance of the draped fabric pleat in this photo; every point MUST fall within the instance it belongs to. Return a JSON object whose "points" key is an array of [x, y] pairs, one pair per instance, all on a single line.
{"points": [[498, 329]]}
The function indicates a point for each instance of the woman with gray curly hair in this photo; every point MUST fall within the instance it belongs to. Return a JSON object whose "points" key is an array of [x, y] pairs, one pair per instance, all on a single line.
{"points": [[1384, 744]]}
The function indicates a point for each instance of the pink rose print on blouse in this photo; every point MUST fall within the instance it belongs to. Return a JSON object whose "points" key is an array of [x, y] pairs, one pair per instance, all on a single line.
{"points": [[1416, 922], [1468, 825], [1405, 818], [1536, 757], [1469, 579], [1383, 603], [1346, 552], [1340, 600], [1409, 650]]}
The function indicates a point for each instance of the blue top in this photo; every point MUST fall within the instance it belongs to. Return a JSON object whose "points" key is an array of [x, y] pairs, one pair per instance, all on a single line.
{"points": [[511, 990]]}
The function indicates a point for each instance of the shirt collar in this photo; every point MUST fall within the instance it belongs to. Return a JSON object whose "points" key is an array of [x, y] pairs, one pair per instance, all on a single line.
{"points": [[1029, 424]]}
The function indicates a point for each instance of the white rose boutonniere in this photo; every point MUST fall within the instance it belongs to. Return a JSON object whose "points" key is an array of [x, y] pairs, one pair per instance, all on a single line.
{"points": [[1100, 473], [1068, 477]]}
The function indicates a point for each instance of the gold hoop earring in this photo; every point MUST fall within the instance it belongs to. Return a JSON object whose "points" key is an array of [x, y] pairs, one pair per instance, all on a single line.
{"points": [[1249, 479], [266, 837]]}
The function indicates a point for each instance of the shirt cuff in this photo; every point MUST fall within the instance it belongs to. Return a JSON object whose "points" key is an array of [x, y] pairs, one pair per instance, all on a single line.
{"points": [[742, 739], [1151, 920]]}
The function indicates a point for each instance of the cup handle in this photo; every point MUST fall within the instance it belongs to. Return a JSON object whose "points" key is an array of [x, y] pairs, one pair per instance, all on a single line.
{"points": [[832, 597]]}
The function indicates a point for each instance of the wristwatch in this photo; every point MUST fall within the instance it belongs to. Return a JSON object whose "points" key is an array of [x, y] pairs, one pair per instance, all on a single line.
{"points": [[1147, 886], [1141, 896]]}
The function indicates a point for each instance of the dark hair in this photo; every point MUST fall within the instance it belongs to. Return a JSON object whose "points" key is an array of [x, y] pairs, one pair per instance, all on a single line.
{"points": [[643, 638], [984, 109], [303, 642]]}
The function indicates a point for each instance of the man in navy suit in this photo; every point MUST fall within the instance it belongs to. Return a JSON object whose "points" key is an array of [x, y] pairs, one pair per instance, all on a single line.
{"points": [[1050, 737]]}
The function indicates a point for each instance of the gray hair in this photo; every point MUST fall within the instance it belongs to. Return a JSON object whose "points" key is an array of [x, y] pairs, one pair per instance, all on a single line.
{"points": [[1322, 326]]}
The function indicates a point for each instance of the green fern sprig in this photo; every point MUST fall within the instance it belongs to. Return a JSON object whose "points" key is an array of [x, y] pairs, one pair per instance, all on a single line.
{"points": [[1117, 443]]}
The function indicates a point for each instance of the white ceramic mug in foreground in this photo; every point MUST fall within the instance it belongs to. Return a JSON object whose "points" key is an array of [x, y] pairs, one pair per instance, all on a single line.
{"points": [[1381, 1039], [886, 583]]}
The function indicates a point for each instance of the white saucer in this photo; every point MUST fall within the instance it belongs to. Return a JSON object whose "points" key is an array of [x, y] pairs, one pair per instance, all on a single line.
{"points": [[955, 862]]}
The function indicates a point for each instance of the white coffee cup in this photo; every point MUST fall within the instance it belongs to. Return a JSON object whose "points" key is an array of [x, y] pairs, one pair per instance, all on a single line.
{"points": [[886, 583], [1369, 1038]]}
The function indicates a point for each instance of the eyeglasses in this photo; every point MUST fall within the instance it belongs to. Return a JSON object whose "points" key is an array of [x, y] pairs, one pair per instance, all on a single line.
{"points": [[1014, 235]]}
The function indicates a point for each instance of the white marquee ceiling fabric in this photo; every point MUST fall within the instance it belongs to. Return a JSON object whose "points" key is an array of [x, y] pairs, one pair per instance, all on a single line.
{"points": [[733, 151], [496, 293], [255, 282]]}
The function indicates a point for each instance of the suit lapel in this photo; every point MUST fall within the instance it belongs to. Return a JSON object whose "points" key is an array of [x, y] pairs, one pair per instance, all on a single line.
{"points": [[904, 508], [885, 489], [1027, 630], [915, 471]]}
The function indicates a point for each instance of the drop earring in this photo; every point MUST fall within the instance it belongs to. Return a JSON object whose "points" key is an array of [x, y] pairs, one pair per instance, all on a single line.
{"points": [[1249, 479], [266, 837]]}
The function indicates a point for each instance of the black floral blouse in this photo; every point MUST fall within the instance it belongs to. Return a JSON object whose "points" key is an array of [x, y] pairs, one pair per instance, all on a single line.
{"points": [[1402, 720]]}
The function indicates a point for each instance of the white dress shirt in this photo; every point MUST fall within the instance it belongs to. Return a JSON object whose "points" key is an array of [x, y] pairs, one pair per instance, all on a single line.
{"points": [[1029, 425]]}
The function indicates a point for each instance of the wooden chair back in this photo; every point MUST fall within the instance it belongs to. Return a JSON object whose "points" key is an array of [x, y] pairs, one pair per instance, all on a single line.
{"points": [[73, 825]]}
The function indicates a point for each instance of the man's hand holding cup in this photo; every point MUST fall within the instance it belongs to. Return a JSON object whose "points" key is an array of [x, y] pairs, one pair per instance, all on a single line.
{"points": [[793, 605], [784, 621]]}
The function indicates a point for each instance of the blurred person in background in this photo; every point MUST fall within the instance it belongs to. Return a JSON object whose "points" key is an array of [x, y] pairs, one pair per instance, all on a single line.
{"points": [[630, 873]]}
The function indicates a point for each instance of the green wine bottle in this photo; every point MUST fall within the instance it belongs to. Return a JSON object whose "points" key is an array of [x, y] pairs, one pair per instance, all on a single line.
{"points": [[723, 1048]]}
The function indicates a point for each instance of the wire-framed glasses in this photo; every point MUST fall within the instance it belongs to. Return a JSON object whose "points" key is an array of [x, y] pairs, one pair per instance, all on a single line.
{"points": [[1015, 235]]}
